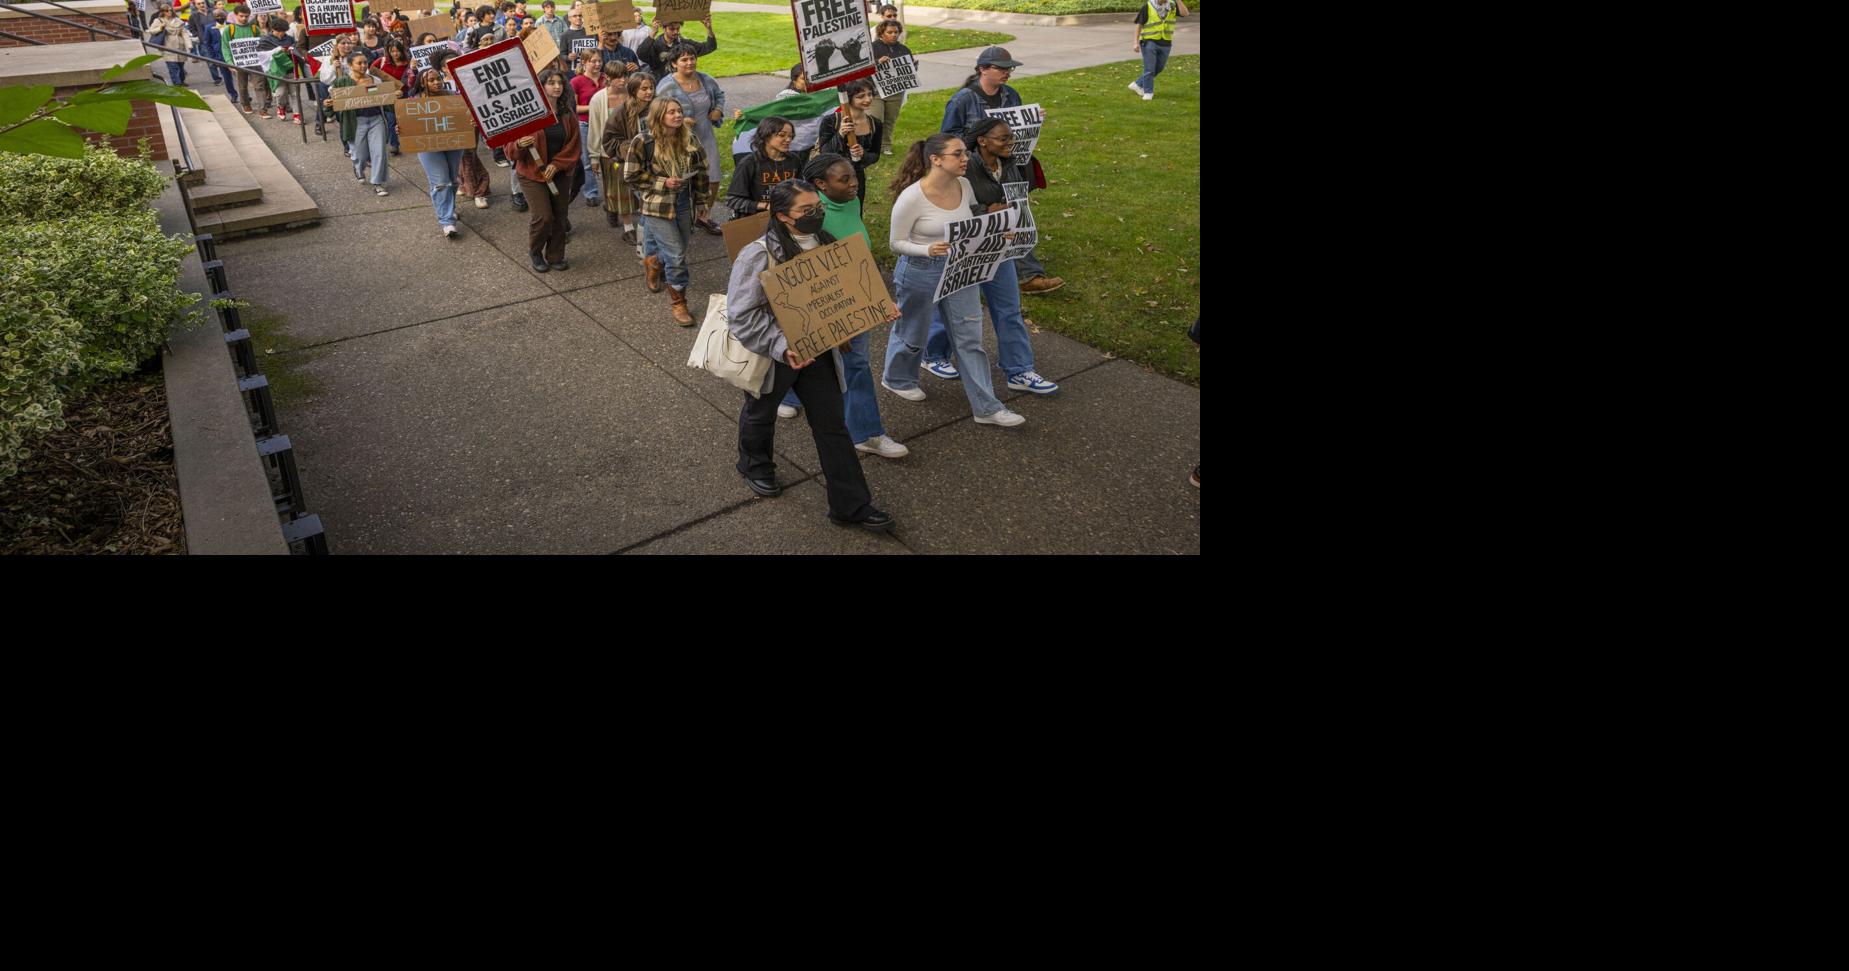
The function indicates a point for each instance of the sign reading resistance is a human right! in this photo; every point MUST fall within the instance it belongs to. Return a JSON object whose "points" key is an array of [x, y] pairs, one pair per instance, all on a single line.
{"points": [[502, 93], [329, 16]]}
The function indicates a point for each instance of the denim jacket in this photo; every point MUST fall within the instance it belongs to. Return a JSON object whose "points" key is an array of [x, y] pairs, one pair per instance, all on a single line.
{"points": [[966, 109], [748, 312], [669, 88]]}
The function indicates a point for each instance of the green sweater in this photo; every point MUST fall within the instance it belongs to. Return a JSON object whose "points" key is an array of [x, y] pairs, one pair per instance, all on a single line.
{"points": [[843, 220]]}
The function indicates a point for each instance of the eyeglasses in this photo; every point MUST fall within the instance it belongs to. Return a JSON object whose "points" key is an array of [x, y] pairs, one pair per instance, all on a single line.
{"points": [[954, 155], [805, 211]]}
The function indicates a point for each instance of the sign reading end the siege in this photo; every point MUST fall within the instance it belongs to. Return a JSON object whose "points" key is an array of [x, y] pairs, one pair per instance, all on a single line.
{"points": [[435, 124], [502, 92], [827, 295], [329, 16]]}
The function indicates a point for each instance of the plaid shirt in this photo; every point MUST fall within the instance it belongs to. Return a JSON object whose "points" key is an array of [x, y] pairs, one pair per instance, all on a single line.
{"points": [[645, 172]]}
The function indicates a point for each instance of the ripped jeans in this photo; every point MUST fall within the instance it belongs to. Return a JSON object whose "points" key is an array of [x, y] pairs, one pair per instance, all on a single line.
{"points": [[442, 169]]}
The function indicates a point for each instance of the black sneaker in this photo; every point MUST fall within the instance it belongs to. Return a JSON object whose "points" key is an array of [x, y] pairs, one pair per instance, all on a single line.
{"points": [[520, 203], [539, 263], [561, 265], [876, 521]]}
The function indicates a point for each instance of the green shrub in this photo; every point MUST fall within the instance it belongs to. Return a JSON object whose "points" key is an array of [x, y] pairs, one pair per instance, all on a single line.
{"points": [[34, 188], [38, 346], [113, 272]]}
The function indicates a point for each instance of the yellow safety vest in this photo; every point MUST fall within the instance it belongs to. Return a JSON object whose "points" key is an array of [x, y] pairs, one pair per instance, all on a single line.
{"points": [[1159, 27]]}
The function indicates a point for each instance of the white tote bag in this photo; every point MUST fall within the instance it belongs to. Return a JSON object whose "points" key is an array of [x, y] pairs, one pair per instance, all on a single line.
{"points": [[716, 351]]}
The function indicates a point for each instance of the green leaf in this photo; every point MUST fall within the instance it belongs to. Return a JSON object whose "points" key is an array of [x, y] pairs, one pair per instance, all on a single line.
{"points": [[110, 118], [18, 104], [121, 69], [43, 137], [154, 91]]}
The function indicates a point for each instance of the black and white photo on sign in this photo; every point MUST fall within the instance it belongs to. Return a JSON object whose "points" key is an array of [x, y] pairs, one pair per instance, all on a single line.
{"points": [[1024, 122], [978, 245], [896, 75], [502, 91], [263, 8], [250, 53], [1025, 235], [835, 39]]}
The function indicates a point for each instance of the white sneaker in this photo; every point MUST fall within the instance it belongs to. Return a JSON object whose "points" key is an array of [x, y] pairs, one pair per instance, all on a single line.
{"points": [[1149, 96], [1138, 89], [910, 394], [1004, 418], [883, 447], [481, 202], [450, 232], [788, 411]]}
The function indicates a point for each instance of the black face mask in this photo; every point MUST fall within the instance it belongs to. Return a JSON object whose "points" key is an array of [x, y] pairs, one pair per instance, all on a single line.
{"points": [[812, 223]]}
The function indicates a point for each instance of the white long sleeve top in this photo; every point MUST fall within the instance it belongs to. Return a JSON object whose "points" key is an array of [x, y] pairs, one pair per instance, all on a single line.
{"points": [[917, 222]]}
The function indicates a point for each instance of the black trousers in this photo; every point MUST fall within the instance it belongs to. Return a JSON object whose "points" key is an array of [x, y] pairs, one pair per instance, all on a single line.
{"points": [[551, 214], [820, 392]]}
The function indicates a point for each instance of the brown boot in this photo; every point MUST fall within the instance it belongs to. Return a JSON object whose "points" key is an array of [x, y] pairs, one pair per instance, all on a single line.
{"points": [[678, 300], [652, 266]]}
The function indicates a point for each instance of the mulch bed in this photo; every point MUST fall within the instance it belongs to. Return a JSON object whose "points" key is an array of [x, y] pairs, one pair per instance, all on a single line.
{"points": [[104, 484]]}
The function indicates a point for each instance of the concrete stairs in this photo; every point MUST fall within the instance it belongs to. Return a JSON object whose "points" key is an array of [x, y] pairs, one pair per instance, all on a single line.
{"points": [[237, 185]]}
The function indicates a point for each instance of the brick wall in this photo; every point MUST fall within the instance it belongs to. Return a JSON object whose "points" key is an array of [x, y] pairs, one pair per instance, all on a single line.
{"points": [[144, 122], [52, 32]]}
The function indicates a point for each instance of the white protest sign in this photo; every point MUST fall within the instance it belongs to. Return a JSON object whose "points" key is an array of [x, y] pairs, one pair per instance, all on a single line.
{"points": [[329, 16], [502, 92], [263, 8], [1024, 124], [248, 52], [421, 55], [1025, 235], [977, 247], [897, 75], [322, 52], [836, 43]]}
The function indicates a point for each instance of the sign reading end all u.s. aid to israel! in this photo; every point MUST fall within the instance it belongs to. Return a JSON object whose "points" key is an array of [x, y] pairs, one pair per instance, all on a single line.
{"points": [[329, 16], [834, 39], [502, 93]]}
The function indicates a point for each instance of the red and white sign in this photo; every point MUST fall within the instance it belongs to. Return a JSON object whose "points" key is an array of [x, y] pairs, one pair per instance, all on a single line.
{"points": [[834, 40], [330, 16], [502, 92]]}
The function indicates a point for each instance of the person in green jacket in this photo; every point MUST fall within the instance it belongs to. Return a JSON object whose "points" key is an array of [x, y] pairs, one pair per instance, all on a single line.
{"points": [[240, 28]]}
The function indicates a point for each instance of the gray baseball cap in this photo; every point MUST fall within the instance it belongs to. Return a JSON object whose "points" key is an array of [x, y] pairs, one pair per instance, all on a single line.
{"points": [[997, 57]]}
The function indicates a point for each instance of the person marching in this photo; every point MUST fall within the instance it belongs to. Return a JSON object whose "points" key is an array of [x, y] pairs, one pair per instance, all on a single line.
{"points": [[558, 147], [667, 166], [796, 226], [619, 135], [1155, 36], [769, 163], [168, 30], [241, 28], [703, 101], [887, 46], [472, 175], [658, 53], [988, 88], [363, 128], [443, 170], [854, 132], [608, 102]]}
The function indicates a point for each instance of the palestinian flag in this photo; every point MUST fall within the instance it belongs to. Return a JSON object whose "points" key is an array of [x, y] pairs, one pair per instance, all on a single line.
{"points": [[797, 108]]}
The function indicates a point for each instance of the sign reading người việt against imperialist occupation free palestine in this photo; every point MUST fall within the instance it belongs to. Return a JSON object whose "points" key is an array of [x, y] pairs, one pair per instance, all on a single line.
{"points": [[502, 92], [329, 16], [827, 295], [834, 40]]}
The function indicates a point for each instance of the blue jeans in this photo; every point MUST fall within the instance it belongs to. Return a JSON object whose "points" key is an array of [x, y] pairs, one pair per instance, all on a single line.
{"points": [[176, 73], [199, 49], [1004, 297], [673, 237], [585, 164], [442, 169], [391, 127], [1155, 58], [915, 279], [231, 85], [369, 146]]}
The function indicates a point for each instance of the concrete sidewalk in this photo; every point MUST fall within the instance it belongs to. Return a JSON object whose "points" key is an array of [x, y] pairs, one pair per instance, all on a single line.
{"points": [[449, 400]]}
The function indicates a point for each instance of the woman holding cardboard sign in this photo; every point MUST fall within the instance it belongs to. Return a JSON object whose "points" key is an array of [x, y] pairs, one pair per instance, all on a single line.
{"points": [[795, 228], [559, 147], [363, 128], [443, 170]]}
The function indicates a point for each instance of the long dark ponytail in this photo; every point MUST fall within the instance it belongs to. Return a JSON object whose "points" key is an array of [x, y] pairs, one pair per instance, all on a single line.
{"points": [[918, 160], [783, 198]]}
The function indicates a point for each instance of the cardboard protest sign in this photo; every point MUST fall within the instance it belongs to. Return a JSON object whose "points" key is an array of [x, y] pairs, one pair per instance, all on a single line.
{"points": [[503, 92], [330, 16], [439, 124], [438, 24], [616, 15], [833, 36], [262, 8], [381, 93], [421, 55], [897, 75], [741, 231], [683, 11], [1025, 235], [977, 245], [1024, 124], [249, 52], [541, 49], [827, 295]]}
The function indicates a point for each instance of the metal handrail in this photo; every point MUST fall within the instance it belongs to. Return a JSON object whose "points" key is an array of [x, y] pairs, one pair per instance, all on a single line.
{"points": [[179, 132], [84, 13], [61, 20], [23, 40], [308, 93]]}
